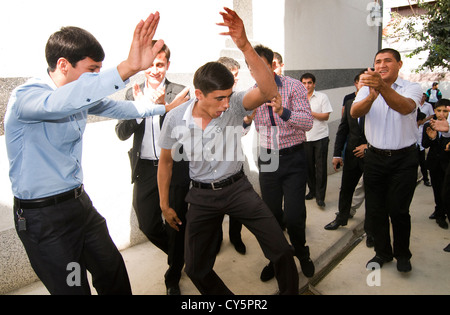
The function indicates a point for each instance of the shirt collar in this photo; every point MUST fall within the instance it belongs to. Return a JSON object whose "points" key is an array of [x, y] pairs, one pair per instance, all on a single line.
{"points": [[187, 117], [398, 83], [48, 80], [278, 80]]}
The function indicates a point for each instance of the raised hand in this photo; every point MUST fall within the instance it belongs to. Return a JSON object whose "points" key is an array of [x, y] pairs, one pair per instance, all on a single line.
{"points": [[142, 51], [236, 29]]}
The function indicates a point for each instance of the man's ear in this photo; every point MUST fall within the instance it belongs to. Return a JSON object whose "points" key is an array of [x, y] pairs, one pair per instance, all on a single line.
{"points": [[63, 65], [199, 94]]}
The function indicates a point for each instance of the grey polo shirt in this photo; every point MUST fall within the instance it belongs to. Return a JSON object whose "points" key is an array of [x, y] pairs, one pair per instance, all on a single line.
{"points": [[214, 153]]}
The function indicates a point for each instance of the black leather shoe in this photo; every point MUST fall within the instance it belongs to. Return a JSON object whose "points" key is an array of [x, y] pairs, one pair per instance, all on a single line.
{"points": [[268, 272], [173, 290], [377, 260], [442, 223], [309, 196], [320, 203], [335, 224], [447, 249], [239, 246], [432, 216], [404, 265], [308, 268], [369, 241]]}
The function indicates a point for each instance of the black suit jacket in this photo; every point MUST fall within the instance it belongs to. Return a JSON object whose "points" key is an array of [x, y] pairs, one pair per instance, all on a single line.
{"points": [[351, 131], [437, 157], [126, 128]]}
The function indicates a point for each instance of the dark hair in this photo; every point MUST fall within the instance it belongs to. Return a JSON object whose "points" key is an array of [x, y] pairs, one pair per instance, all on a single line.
{"points": [[278, 57], [356, 79], [442, 102], [213, 76], [265, 52], [308, 76], [394, 52], [230, 63], [74, 44], [164, 49]]}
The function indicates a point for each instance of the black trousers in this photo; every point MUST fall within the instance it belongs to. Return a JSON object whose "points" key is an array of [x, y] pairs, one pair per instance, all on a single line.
{"points": [[422, 164], [437, 175], [351, 174], [204, 218], [390, 182], [147, 207], [65, 240], [287, 186], [316, 156], [446, 192]]}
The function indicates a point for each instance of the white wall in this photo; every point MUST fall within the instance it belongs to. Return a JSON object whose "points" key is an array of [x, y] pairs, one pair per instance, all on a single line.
{"points": [[188, 27], [329, 34]]}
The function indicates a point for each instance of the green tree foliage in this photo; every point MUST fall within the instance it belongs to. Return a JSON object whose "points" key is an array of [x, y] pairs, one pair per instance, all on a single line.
{"points": [[432, 30]]}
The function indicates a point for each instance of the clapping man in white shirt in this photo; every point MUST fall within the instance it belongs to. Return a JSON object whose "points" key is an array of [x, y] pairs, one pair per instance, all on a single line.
{"points": [[389, 104]]}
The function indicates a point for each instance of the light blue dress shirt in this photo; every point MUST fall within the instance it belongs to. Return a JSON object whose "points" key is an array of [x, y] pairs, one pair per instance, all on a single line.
{"points": [[44, 128]]}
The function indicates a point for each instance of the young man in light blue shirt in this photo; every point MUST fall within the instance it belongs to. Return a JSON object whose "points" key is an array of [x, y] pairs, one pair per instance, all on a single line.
{"points": [[44, 126]]}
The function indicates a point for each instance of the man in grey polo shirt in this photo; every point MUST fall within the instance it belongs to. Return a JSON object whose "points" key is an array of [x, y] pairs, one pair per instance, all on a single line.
{"points": [[209, 128]]}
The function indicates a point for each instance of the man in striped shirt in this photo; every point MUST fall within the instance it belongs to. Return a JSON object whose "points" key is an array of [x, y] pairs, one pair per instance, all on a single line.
{"points": [[282, 161]]}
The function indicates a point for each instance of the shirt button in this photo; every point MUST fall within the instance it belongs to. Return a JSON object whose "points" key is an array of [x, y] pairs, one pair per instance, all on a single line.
{"points": [[116, 87], [88, 100]]}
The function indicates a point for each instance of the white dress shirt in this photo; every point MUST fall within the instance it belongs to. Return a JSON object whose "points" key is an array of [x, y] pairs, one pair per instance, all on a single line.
{"points": [[386, 128], [150, 149], [319, 104]]}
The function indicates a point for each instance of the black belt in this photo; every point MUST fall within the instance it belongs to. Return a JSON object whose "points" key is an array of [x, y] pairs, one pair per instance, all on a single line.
{"points": [[49, 201], [151, 162], [221, 184], [286, 151], [392, 152]]}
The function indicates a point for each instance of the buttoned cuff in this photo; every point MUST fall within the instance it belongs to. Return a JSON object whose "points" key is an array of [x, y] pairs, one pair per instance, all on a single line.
{"points": [[286, 114]]}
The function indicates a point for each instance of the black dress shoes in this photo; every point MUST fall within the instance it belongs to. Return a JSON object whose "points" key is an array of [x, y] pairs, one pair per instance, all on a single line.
{"points": [[447, 249], [173, 290], [377, 261], [309, 196], [404, 265], [335, 224], [308, 268], [320, 203], [239, 246], [370, 241], [268, 272], [442, 223]]}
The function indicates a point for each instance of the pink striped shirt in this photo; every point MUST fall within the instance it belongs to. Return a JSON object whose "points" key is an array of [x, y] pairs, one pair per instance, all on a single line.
{"points": [[289, 129]]}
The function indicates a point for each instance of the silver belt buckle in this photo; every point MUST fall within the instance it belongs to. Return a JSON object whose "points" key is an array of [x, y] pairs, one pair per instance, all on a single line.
{"points": [[78, 194], [214, 187]]}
